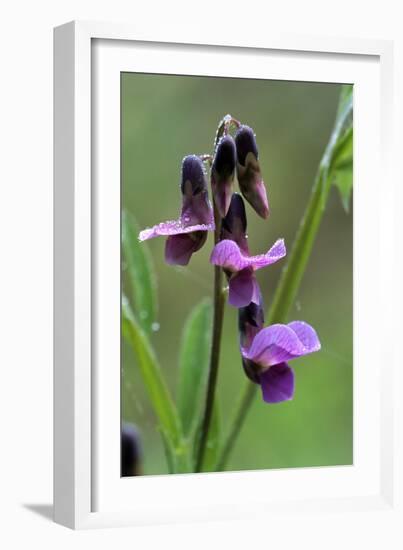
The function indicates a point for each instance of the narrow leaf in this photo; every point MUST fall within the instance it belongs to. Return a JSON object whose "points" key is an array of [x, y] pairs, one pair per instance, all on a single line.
{"points": [[193, 364], [342, 168], [337, 162], [141, 273], [346, 93], [160, 398]]}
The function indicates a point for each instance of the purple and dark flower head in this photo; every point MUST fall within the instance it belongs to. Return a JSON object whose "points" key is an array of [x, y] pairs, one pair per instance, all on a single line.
{"points": [[187, 234], [223, 173], [232, 254], [248, 171], [266, 352]]}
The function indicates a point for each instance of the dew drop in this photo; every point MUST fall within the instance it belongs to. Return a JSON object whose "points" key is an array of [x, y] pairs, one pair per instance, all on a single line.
{"points": [[143, 314], [155, 327]]}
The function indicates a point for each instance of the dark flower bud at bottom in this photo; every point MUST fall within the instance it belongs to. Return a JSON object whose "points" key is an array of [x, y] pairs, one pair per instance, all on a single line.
{"points": [[223, 173], [248, 171], [131, 454]]}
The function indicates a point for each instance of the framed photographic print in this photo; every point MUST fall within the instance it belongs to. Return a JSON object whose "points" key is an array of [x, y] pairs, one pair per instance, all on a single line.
{"points": [[221, 302]]}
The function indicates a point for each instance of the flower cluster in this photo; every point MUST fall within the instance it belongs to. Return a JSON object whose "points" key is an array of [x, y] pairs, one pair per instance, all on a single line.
{"points": [[265, 351]]}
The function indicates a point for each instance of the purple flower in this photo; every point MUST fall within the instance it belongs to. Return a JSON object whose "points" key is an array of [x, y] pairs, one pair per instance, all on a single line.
{"points": [[232, 254], [223, 173], [187, 234], [265, 354], [248, 171]]}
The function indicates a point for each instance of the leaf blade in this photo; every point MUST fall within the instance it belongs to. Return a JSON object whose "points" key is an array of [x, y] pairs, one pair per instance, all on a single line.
{"points": [[342, 168], [337, 161], [193, 364], [158, 393], [141, 273]]}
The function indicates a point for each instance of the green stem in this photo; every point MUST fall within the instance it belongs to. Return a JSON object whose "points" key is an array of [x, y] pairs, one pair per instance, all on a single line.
{"points": [[244, 405], [219, 302], [293, 272], [286, 292]]}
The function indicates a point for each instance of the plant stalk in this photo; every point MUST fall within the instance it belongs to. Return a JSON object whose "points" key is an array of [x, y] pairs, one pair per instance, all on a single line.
{"points": [[218, 317], [244, 404]]}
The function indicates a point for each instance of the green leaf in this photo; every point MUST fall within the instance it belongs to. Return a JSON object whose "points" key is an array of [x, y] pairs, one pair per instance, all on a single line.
{"points": [[342, 168], [158, 393], [337, 162], [141, 273], [346, 93], [193, 364], [213, 448]]}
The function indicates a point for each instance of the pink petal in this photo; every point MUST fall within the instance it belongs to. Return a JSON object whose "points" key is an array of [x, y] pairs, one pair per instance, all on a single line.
{"points": [[179, 248], [279, 343], [173, 227], [243, 289], [306, 334], [277, 383], [222, 195], [228, 255]]}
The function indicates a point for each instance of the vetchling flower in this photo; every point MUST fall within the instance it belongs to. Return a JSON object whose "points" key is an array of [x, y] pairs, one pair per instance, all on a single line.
{"points": [[189, 233], [232, 254], [248, 171], [223, 173], [266, 351]]}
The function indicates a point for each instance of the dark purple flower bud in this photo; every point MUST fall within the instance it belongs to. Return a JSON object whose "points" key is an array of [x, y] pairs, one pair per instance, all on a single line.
{"points": [[196, 207], [250, 321], [248, 170], [189, 233], [193, 177], [223, 173], [131, 453], [234, 224]]}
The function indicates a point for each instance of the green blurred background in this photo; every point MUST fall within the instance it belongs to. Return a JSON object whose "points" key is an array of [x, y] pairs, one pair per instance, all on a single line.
{"points": [[165, 118]]}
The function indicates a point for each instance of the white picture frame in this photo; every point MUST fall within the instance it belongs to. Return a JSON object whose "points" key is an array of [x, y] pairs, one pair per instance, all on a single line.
{"points": [[88, 491]]}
